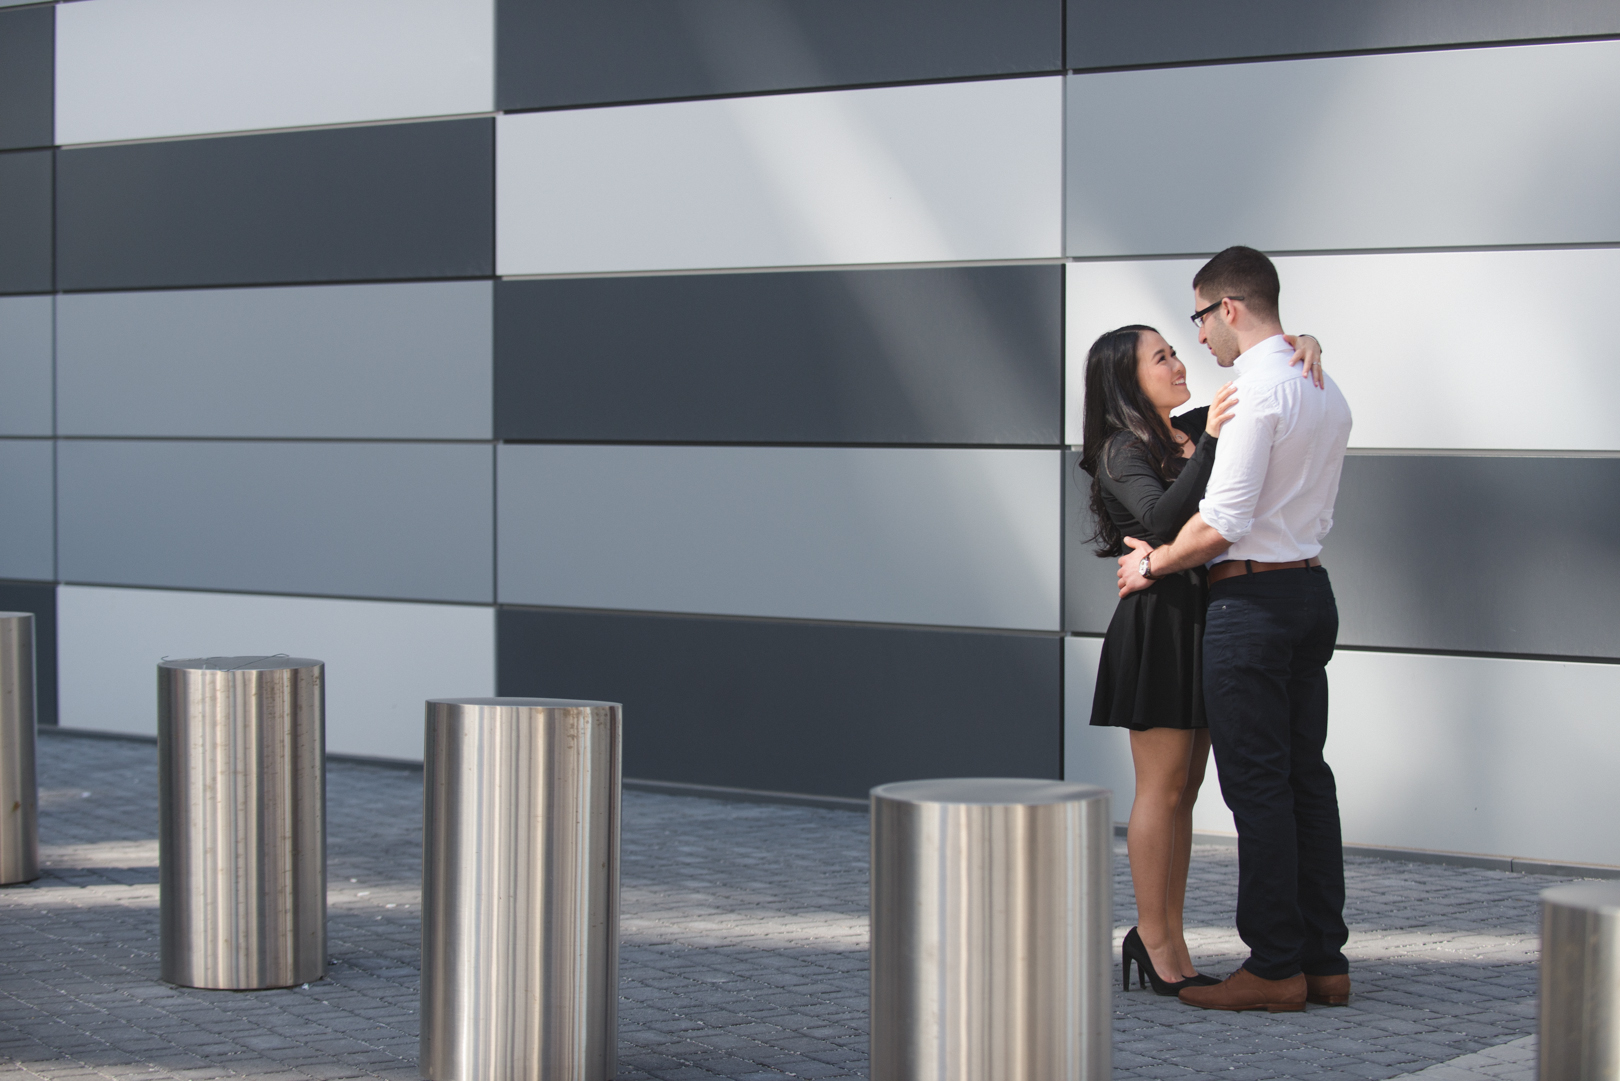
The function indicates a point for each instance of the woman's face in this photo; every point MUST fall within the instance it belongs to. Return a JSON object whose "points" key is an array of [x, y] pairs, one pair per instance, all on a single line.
{"points": [[1160, 374]]}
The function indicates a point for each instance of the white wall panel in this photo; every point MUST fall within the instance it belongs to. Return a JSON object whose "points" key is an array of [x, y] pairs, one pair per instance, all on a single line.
{"points": [[1460, 754], [27, 514], [891, 175], [139, 69], [1517, 145], [25, 365], [410, 360], [383, 660], [956, 537], [1509, 350]]}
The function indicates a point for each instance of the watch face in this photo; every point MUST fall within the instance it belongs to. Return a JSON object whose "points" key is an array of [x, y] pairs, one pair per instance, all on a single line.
{"points": [[1143, 570]]}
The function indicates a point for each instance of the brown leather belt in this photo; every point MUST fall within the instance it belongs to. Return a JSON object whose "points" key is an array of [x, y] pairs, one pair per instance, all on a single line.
{"points": [[1232, 568]]}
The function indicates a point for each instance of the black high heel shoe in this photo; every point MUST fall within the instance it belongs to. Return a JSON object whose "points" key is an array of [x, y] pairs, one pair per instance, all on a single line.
{"points": [[1133, 949]]}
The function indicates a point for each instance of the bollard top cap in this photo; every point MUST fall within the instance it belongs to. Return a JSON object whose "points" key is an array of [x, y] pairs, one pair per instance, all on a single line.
{"points": [[525, 703], [1601, 897], [258, 662], [989, 791]]}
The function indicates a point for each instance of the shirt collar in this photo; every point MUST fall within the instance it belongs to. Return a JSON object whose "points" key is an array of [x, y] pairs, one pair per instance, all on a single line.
{"points": [[1253, 357]]}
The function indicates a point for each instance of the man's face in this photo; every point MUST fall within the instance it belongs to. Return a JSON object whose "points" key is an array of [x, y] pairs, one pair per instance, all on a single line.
{"points": [[1215, 332]]}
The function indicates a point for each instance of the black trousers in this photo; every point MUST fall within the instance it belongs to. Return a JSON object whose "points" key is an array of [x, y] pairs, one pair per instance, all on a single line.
{"points": [[1266, 643]]}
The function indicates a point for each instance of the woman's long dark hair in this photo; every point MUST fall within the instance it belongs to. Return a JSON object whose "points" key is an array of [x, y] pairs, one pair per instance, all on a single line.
{"points": [[1114, 404]]}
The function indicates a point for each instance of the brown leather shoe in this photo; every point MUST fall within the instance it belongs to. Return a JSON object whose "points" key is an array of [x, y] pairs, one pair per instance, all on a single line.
{"points": [[1243, 990], [1328, 990]]}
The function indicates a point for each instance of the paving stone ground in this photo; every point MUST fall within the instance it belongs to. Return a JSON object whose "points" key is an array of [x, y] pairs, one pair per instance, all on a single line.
{"points": [[744, 953]]}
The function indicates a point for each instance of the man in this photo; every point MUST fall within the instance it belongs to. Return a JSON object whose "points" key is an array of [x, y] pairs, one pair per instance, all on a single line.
{"points": [[1271, 630]]}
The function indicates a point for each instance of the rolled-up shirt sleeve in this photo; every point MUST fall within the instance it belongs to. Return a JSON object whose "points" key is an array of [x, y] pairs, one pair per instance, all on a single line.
{"points": [[1229, 502]]}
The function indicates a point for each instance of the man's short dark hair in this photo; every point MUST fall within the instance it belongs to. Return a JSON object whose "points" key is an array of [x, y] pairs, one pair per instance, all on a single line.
{"points": [[1241, 272]]}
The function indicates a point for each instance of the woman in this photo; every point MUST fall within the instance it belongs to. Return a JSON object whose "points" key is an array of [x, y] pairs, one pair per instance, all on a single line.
{"points": [[1147, 475]]}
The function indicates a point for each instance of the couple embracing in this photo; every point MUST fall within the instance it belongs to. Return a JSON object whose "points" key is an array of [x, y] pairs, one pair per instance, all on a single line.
{"points": [[1225, 624]]}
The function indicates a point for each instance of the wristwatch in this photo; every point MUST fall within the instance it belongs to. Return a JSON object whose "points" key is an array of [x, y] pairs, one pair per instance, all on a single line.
{"points": [[1145, 570]]}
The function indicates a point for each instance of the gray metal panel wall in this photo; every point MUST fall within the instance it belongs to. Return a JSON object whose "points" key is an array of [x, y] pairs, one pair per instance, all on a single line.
{"points": [[952, 355], [348, 204], [40, 599], [25, 221], [797, 707], [27, 515], [1478, 554], [1105, 33], [575, 52], [407, 360], [387, 520], [1470, 554], [25, 365], [27, 77]]}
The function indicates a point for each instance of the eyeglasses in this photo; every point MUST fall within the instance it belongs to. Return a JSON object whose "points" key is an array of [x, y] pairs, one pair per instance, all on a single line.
{"points": [[1198, 316]]}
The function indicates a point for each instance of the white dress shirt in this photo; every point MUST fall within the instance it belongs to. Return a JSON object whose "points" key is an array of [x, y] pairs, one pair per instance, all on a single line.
{"points": [[1277, 471]]}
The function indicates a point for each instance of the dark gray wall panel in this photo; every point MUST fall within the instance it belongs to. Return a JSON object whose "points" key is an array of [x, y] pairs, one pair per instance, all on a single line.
{"points": [[40, 599], [400, 521], [27, 76], [25, 221], [573, 52], [954, 355], [1447, 552], [1106, 33], [797, 707], [348, 204], [1490, 554]]}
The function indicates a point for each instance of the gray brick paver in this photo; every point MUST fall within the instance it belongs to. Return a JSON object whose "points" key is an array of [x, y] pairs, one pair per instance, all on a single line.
{"points": [[744, 952]]}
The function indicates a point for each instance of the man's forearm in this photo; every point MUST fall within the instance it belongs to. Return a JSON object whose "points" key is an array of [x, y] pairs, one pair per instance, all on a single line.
{"points": [[1197, 543]]}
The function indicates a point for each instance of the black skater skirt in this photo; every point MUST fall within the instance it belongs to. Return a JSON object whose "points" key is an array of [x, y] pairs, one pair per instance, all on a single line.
{"points": [[1152, 669]]}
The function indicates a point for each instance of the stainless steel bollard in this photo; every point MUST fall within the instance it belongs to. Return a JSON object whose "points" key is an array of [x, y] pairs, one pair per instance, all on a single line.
{"points": [[992, 931], [19, 789], [242, 821], [1580, 982], [520, 890]]}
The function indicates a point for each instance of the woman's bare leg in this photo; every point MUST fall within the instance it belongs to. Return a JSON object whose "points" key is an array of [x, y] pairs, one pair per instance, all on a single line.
{"points": [[1162, 757], [1181, 856]]}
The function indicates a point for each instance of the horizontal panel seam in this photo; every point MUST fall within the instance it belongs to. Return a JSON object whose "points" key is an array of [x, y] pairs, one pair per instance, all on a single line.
{"points": [[235, 133], [1281, 253], [687, 272], [797, 621], [265, 593], [1411, 651], [1337, 54], [831, 88], [382, 440]]}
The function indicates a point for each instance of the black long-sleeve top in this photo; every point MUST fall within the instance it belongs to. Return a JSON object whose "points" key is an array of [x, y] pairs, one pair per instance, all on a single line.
{"points": [[1136, 496]]}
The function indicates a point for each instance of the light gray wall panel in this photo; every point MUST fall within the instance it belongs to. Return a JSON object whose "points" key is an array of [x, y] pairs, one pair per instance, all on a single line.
{"points": [[25, 365], [399, 520], [1463, 754], [27, 526], [1539, 372], [950, 171], [138, 69], [343, 361], [383, 658], [957, 537], [1479, 147]]}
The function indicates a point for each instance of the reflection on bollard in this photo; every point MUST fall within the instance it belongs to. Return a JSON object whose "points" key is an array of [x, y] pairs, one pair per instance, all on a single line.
{"points": [[19, 789], [991, 931], [242, 821], [1580, 982], [520, 890]]}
